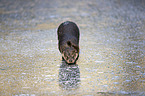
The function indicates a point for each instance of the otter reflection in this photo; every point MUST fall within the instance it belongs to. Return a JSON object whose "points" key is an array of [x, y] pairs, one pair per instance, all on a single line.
{"points": [[69, 76]]}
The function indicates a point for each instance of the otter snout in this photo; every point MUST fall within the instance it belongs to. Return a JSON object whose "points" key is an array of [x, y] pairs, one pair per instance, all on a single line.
{"points": [[70, 55]]}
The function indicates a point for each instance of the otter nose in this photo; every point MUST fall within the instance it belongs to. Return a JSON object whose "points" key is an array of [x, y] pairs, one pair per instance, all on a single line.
{"points": [[70, 61]]}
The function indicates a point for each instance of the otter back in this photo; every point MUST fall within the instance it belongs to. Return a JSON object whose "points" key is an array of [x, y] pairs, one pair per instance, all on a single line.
{"points": [[68, 41]]}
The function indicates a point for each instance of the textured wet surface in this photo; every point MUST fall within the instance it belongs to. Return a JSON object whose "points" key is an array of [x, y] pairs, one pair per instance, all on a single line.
{"points": [[112, 46]]}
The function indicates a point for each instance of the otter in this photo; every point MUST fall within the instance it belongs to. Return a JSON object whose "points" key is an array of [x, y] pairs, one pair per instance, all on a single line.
{"points": [[68, 41]]}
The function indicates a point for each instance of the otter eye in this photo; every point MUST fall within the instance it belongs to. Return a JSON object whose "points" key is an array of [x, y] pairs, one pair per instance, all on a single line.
{"points": [[74, 55], [75, 51], [69, 43], [67, 57]]}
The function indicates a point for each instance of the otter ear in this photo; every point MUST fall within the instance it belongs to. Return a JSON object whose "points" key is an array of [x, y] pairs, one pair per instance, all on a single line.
{"points": [[76, 47], [69, 43]]}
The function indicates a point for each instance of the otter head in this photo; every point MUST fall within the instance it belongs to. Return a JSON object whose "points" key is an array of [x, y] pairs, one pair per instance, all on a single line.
{"points": [[70, 53]]}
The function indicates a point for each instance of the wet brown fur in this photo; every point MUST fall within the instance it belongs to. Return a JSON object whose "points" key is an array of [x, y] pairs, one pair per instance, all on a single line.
{"points": [[68, 37]]}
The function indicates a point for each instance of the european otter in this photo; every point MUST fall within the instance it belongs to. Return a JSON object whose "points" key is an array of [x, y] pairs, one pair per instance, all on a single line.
{"points": [[68, 37]]}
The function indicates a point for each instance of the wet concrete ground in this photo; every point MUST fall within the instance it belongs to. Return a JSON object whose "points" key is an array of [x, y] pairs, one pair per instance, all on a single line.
{"points": [[112, 46]]}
